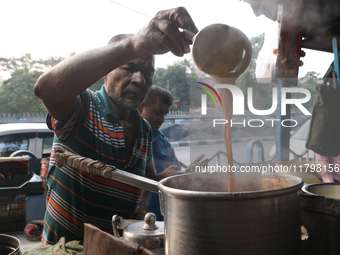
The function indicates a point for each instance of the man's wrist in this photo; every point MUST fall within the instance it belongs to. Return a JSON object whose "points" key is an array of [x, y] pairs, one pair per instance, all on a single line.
{"points": [[158, 177]]}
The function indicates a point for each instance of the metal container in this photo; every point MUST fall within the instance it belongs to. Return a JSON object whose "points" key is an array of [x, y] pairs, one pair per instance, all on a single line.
{"points": [[9, 245], [148, 233], [201, 217], [329, 190], [320, 215]]}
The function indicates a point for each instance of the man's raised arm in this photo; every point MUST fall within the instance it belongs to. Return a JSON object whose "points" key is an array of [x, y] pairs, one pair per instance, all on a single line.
{"points": [[58, 88]]}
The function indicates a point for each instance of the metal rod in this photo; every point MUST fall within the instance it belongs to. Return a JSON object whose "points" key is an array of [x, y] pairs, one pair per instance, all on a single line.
{"points": [[135, 180]]}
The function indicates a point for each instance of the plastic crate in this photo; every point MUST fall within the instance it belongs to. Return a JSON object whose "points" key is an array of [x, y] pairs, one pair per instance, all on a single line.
{"points": [[12, 202]]}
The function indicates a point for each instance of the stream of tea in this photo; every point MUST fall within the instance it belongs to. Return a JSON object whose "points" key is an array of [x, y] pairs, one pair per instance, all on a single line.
{"points": [[227, 103], [275, 182]]}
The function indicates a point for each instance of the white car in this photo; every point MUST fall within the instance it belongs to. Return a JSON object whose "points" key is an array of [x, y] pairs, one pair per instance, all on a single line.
{"points": [[297, 144], [33, 139]]}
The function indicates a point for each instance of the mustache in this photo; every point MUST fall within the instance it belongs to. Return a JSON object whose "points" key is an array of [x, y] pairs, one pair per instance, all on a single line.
{"points": [[132, 90]]}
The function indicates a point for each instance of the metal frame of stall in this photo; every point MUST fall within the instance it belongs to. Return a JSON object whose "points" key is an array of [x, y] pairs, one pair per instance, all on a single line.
{"points": [[289, 48], [287, 68]]}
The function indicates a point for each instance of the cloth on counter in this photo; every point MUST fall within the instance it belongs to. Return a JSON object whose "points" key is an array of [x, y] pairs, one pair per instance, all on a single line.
{"points": [[33, 230], [60, 248], [99, 242]]}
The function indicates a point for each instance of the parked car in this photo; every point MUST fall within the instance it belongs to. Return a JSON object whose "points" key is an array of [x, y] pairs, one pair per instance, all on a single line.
{"points": [[297, 143], [33, 139]]}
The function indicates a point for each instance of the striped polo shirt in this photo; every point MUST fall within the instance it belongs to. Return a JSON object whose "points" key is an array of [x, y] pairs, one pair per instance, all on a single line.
{"points": [[75, 197]]}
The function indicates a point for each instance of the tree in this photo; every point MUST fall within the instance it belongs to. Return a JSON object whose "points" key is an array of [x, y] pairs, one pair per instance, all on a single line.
{"points": [[16, 93], [98, 85], [176, 78], [309, 82], [160, 78], [248, 79], [26, 62]]}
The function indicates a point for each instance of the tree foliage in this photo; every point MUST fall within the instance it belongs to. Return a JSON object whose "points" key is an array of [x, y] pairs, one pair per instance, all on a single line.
{"points": [[26, 62], [309, 82], [98, 85], [16, 93], [176, 78]]}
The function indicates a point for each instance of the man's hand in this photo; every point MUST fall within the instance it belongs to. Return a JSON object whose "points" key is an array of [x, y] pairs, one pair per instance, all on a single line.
{"points": [[162, 34], [169, 171], [196, 162]]}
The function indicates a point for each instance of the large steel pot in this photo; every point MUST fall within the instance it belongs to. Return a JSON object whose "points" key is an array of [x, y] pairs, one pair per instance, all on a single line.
{"points": [[9, 245], [201, 218]]}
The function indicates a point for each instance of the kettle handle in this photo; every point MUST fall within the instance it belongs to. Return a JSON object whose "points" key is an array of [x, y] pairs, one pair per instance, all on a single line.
{"points": [[116, 220], [119, 222]]}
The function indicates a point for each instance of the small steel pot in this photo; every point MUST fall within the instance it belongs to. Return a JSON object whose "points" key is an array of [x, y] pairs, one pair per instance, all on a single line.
{"points": [[9, 245]]}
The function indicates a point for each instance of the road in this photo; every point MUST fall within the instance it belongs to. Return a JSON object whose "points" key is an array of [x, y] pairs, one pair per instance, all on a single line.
{"points": [[189, 153]]}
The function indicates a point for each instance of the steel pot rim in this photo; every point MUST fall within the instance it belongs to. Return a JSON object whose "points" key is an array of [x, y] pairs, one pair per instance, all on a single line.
{"points": [[307, 186], [12, 240], [245, 195]]}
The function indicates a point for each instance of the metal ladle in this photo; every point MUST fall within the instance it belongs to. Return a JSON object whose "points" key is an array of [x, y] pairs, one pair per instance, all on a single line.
{"points": [[220, 50]]}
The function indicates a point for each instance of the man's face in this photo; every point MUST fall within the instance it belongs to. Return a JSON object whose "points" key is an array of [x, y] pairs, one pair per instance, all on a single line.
{"points": [[128, 84], [155, 114]]}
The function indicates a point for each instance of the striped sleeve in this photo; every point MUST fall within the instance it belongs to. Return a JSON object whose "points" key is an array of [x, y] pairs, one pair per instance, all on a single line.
{"points": [[63, 129], [150, 171]]}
